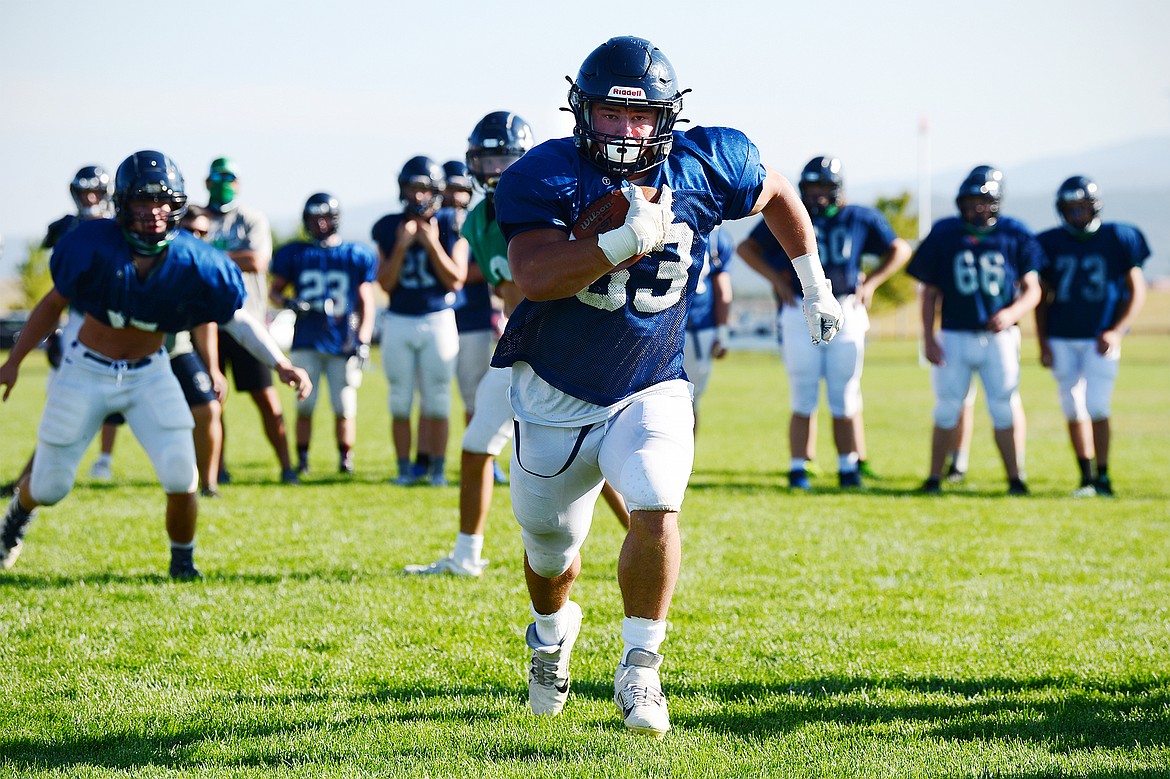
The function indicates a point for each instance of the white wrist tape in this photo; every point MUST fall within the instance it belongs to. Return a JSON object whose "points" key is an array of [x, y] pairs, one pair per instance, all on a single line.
{"points": [[619, 244], [809, 271]]}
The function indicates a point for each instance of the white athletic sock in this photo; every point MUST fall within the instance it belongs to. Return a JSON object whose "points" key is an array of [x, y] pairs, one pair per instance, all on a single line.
{"points": [[641, 633], [962, 458], [847, 463], [104, 458], [468, 548], [551, 628], [797, 463]]}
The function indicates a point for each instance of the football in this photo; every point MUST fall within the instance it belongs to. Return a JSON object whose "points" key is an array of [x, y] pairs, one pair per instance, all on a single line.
{"points": [[606, 213]]}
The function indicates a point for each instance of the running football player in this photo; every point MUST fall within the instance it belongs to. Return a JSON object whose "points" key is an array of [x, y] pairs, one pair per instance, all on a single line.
{"points": [[596, 351]]}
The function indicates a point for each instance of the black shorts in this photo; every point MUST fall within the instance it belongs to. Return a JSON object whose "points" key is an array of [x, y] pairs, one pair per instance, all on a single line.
{"points": [[193, 378], [248, 373]]}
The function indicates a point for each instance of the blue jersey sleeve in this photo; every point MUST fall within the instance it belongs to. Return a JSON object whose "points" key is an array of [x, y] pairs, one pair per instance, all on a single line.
{"points": [[73, 257], [734, 171], [1133, 244]]}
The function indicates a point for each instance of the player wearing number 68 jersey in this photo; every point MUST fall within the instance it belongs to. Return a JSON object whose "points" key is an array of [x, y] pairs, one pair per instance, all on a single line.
{"points": [[979, 270], [596, 347], [1094, 288]]}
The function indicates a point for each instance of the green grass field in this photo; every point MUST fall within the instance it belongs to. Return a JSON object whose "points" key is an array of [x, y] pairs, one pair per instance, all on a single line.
{"points": [[876, 634]]}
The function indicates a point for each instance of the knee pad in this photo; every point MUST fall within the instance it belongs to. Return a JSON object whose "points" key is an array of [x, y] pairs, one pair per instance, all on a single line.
{"points": [[49, 485], [1098, 403], [946, 413], [804, 390], [401, 400], [543, 559], [1000, 408], [436, 399], [176, 470]]}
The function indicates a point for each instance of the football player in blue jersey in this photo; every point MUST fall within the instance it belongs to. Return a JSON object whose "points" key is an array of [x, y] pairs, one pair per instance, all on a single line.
{"points": [[708, 310], [979, 277], [135, 278], [423, 265], [91, 189], [1094, 289], [845, 233], [496, 141], [333, 295], [596, 346]]}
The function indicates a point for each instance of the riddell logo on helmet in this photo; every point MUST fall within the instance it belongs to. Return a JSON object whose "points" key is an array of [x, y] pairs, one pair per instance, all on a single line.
{"points": [[637, 92]]}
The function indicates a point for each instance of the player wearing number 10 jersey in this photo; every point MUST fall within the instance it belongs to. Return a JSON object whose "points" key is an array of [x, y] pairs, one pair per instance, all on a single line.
{"points": [[596, 348], [980, 271], [1092, 277]]}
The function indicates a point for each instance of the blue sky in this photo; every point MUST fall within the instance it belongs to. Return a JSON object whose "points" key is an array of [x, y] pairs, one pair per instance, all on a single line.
{"points": [[336, 96]]}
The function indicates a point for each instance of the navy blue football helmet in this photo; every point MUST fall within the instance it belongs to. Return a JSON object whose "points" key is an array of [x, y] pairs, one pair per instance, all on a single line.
{"points": [[983, 183], [822, 170], [625, 71], [92, 179], [498, 140], [321, 204], [1078, 189], [421, 172], [457, 175], [152, 177]]}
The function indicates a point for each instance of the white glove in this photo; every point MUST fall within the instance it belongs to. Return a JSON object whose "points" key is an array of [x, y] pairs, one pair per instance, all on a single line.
{"points": [[644, 229], [821, 309]]}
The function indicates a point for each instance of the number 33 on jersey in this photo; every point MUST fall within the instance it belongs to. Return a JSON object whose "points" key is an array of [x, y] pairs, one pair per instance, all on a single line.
{"points": [[637, 312]]}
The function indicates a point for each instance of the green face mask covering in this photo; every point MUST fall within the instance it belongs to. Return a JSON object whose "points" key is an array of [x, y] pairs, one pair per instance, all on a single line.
{"points": [[222, 192]]}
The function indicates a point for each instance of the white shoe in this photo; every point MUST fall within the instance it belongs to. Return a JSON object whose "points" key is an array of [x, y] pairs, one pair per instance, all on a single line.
{"points": [[1086, 491], [101, 471], [638, 694], [548, 673], [8, 556], [449, 565]]}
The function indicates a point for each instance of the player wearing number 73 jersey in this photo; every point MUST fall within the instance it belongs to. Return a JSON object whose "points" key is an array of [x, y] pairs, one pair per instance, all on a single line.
{"points": [[596, 348], [979, 269], [1092, 274]]}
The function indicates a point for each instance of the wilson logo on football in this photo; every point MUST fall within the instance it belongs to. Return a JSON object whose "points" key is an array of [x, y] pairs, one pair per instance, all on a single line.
{"points": [[586, 226], [637, 92]]}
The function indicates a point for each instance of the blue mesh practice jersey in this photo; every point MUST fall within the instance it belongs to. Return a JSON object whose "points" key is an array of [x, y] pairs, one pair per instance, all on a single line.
{"points": [[1087, 277], [419, 290], [625, 331], [977, 274], [193, 283], [701, 309], [841, 241], [319, 273]]}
